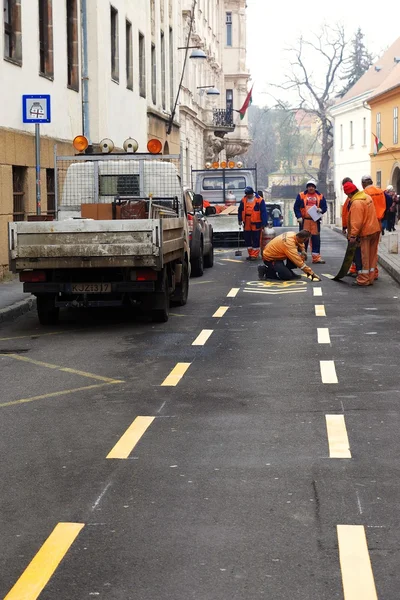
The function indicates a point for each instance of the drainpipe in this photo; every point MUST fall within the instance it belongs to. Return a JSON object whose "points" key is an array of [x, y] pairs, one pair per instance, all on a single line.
{"points": [[85, 73]]}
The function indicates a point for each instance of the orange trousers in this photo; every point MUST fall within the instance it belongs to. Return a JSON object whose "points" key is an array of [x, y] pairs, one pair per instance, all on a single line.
{"points": [[369, 258]]}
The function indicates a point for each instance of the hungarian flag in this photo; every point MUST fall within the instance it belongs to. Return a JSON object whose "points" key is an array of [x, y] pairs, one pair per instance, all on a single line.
{"points": [[246, 104], [377, 144]]}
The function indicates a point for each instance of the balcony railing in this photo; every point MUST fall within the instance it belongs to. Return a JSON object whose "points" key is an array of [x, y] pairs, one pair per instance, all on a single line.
{"points": [[222, 118]]}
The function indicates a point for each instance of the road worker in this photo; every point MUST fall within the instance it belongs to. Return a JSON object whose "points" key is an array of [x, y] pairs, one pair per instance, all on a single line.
{"points": [[283, 254], [356, 264], [379, 200], [304, 201], [253, 216], [363, 227]]}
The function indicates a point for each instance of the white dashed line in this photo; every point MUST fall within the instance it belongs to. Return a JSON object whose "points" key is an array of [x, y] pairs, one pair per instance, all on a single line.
{"points": [[320, 310], [328, 371], [233, 293], [202, 337], [338, 440], [323, 336], [355, 563], [317, 291], [221, 311]]}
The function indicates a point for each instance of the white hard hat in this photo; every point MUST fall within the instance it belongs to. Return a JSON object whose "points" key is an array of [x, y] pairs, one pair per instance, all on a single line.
{"points": [[366, 178], [390, 188], [311, 182]]}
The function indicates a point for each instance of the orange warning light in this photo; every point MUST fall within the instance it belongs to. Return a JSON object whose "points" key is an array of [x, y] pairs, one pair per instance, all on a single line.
{"points": [[80, 143], [154, 146]]}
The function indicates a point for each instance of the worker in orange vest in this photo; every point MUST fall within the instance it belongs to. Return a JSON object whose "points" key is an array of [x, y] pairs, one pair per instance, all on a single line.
{"points": [[253, 216], [379, 200], [363, 228], [356, 265], [304, 201], [283, 254]]}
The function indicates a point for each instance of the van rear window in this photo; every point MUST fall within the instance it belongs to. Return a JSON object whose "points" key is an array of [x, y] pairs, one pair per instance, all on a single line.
{"points": [[119, 185], [231, 183]]}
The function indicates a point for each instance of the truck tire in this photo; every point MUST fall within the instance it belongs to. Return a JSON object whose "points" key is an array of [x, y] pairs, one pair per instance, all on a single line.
{"points": [[182, 289], [48, 313], [161, 315], [198, 264], [209, 258]]}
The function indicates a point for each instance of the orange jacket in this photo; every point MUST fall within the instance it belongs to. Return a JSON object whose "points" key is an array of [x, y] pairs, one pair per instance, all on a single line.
{"points": [[308, 201], [253, 213], [345, 213], [379, 200], [362, 216], [285, 246]]}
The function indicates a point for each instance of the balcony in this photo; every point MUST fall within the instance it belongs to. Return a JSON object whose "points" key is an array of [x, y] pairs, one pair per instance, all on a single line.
{"points": [[222, 121]]}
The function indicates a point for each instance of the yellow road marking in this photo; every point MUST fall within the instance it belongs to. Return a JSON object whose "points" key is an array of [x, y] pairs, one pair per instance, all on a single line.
{"points": [[317, 291], [203, 337], [233, 293], [41, 568], [131, 437], [58, 368], [176, 315], [176, 374], [61, 393], [338, 440], [328, 371], [323, 336], [274, 292], [32, 335], [328, 275], [231, 260], [320, 310], [221, 311], [357, 576], [200, 282]]}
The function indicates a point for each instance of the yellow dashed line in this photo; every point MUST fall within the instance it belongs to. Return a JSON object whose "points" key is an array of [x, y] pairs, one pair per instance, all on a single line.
{"points": [[131, 437], [176, 374], [202, 337], [221, 311], [38, 573], [357, 576], [338, 440]]}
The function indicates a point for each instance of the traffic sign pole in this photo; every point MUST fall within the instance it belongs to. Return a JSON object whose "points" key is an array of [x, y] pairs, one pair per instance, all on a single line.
{"points": [[38, 183]]}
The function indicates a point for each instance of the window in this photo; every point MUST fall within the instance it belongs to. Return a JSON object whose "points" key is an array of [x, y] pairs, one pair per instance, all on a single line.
{"points": [[153, 74], [119, 185], [171, 69], [378, 125], [231, 183], [12, 30], [72, 45], [163, 69], [129, 55], [341, 137], [395, 125], [229, 103], [19, 177], [142, 66], [51, 192], [351, 135], [114, 45], [46, 66], [229, 29], [310, 163], [364, 131], [379, 178]]}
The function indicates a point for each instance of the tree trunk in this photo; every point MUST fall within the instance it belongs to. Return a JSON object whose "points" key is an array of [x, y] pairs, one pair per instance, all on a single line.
{"points": [[327, 143]]}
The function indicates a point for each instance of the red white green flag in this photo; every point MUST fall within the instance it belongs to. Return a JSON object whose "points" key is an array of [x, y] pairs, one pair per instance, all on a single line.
{"points": [[377, 144], [246, 104]]}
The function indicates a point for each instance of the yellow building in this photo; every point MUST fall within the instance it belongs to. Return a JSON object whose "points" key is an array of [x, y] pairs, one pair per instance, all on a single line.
{"points": [[385, 107]]}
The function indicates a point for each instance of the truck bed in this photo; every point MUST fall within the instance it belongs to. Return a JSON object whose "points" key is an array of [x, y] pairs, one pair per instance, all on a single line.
{"points": [[84, 243]]}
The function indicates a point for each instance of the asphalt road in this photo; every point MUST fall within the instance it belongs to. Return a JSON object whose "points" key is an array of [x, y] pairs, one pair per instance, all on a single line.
{"points": [[254, 473]]}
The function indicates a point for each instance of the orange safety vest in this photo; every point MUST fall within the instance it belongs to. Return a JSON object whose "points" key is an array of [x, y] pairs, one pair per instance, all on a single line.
{"points": [[379, 200], [308, 201], [250, 216]]}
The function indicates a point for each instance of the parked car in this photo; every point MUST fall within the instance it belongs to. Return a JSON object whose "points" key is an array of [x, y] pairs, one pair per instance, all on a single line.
{"points": [[200, 235]]}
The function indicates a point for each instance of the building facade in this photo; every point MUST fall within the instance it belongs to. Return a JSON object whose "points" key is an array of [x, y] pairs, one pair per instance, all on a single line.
{"points": [[354, 125]]}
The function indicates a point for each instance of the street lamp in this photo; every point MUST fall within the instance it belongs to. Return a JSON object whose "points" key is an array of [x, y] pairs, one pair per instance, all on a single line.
{"points": [[211, 90]]}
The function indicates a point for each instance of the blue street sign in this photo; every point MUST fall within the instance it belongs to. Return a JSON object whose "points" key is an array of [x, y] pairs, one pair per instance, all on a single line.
{"points": [[36, 109]]}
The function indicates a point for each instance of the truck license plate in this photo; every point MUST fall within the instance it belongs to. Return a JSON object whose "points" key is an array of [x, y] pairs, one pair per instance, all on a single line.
{"points": [[91, 288]]}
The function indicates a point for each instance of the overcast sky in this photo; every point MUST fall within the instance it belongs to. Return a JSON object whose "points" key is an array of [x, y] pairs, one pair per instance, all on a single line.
{"points": [[273, 26]]}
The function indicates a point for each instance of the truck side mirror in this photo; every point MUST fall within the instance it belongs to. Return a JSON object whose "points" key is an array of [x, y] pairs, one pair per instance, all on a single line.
{"points": [[198, 201]]}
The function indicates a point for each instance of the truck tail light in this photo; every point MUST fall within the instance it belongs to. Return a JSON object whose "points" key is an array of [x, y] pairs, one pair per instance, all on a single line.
{"points": [[190, 225], [146, 275], [32, 276]]}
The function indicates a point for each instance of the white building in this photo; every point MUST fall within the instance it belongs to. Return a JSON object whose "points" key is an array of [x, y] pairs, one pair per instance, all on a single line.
{"points": [[352, 126]]}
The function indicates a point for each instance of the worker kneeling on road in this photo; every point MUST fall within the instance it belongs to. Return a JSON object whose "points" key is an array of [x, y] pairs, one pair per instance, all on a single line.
{"points": [[253, 214], [283, 254], [363, 227]]}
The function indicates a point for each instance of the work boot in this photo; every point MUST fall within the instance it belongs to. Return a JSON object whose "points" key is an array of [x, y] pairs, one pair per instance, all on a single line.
{"points": [[318, 261], [262, 272]]}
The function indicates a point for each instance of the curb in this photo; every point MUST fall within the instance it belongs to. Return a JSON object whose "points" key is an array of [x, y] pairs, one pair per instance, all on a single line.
{"points": [[385, 262], [16, 310]]}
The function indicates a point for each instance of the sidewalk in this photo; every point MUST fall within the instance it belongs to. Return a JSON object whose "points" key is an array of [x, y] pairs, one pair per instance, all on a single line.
{"points": [[13, 301]]}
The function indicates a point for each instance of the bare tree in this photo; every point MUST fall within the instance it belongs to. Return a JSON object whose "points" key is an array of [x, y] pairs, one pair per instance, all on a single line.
{"points": [[314, 77]]}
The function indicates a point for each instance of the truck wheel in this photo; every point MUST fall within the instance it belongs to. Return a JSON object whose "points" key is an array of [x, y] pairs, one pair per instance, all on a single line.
{"points": [[198, 264], [209, 259], [182, 289], [161, 315], [48, 313]]}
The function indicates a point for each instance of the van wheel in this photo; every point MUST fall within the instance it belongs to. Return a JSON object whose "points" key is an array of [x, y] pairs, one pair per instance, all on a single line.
{"points": [[182, 289], [198, 264], [161, 315], [48, 313], [209, 259]]}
